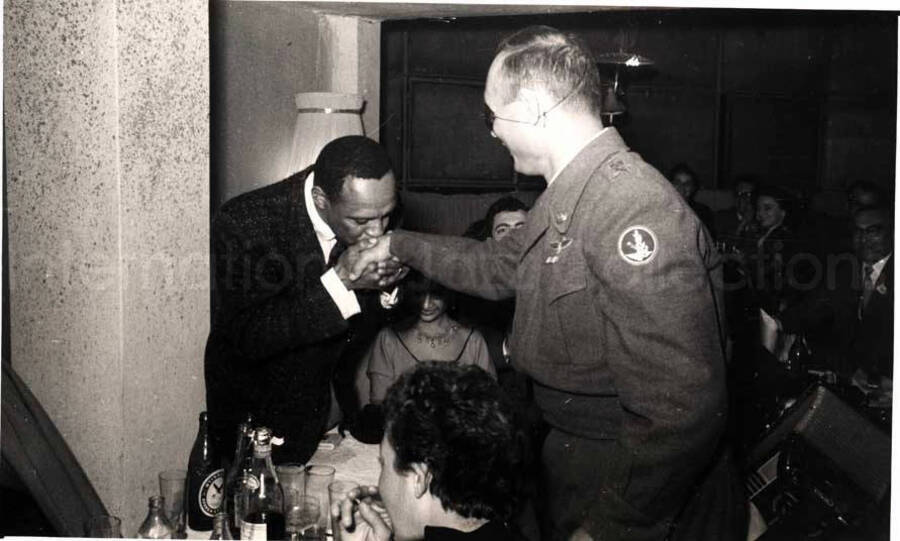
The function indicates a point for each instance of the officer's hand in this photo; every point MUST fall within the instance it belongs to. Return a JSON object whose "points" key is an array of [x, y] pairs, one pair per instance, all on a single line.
{"points": [[360, 521], [375, 251], [356, 258]]}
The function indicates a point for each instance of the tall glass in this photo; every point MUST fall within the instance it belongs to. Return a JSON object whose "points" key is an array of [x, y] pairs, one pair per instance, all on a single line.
{"points": [[337, 491], [317, 480], [171, 488]]}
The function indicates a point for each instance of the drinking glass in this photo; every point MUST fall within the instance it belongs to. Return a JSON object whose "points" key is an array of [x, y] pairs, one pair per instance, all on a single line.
{"points": [[301, 518], [107, 526], [292, 477], [171, 488], [318, 477], [337, 491]]}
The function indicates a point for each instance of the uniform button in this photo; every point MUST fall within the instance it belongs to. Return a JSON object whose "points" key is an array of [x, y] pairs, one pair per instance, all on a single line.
{"points": [[561, 217]]}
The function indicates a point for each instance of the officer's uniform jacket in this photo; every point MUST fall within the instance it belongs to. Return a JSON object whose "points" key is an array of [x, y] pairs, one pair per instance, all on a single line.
{"points": [[616, 320]]}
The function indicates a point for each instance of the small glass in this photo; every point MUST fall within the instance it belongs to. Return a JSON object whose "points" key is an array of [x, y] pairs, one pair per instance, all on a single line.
{"points": [[318, 478], [337, 491], [105, 526], [171, 488]]}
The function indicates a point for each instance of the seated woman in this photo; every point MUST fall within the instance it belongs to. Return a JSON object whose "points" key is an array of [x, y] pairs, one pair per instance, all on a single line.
{"points": [[428, 333]]}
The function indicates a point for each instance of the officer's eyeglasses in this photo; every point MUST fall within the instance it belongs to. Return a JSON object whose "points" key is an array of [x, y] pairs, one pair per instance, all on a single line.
{"points": [[490, 116], [871, 232]]}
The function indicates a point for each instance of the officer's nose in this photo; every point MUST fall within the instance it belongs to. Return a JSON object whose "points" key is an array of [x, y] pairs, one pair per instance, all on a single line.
{"points": [[428, 303]]}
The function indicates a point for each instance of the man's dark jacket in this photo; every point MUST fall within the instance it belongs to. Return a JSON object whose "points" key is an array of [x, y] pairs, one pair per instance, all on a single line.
{"points": [[277, 335], [830, 318]]}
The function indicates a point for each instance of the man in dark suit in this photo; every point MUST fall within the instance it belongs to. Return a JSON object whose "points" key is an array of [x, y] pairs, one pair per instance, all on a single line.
{"points": [[616, 316], [284, 306], [849, 317]]}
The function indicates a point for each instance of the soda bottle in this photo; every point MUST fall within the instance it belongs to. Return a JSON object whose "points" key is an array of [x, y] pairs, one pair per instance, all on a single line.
{"points": [[263, 517], [155, 526], [206, 482], [237, 475]]}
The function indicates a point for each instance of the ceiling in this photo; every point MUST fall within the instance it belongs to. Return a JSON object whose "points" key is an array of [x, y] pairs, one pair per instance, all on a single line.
{"points": [[409, 10]]}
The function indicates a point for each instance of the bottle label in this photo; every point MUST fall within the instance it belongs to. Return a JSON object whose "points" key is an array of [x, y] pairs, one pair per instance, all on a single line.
{"points": [[210, 494], [251, 481], [253, 531]]}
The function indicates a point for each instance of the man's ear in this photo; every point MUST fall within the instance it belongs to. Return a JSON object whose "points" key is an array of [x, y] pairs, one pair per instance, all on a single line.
{"points": [[532, 99], [320, 199], [421, 480]]}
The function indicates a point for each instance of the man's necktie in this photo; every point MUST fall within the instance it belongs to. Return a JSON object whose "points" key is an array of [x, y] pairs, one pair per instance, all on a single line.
{"points": [[868, 286], [336, 251]]}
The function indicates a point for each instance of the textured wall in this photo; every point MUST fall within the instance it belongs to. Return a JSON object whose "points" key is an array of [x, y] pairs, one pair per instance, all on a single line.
{"points": [[262, 54], [107, 172]]}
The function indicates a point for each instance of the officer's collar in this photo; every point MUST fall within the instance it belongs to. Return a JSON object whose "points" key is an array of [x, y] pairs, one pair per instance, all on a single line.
{"points": [[565, 191]]}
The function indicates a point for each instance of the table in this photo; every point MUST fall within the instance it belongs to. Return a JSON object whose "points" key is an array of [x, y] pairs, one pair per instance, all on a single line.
{"points": [[351, 459]]}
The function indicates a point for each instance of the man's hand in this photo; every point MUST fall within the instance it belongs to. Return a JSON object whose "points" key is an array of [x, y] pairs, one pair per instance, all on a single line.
{"points": [[375, 251], [360, 521], [358, 267]]}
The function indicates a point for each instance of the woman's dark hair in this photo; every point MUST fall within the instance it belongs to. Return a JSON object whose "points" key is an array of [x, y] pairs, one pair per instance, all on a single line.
{"points": [[785, 199], [413, 290], [455, 420]]}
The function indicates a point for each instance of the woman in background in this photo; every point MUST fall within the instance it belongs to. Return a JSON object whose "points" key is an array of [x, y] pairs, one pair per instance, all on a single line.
{"points": [[428, 333]]}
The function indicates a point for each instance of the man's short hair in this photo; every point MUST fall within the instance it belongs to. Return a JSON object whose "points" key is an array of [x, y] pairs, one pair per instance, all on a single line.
{"points": [[352, 156], [483, 228], [455, 420], [869, 187], [560, 63]]}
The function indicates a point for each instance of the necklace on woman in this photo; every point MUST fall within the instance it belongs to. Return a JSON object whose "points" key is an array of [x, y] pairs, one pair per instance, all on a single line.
{"points": [[439, 339]]}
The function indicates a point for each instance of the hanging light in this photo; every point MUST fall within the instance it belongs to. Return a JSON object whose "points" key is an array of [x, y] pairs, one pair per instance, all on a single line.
{"points": [[321, 118], [613, 100]]}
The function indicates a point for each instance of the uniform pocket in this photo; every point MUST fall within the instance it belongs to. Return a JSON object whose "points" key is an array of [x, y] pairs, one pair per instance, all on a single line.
{"points": [[570, 300]]}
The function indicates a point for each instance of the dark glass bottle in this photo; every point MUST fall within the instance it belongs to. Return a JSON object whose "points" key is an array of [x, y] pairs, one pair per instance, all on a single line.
{"points": [[237, 474], [264, 516], [205, 483]]}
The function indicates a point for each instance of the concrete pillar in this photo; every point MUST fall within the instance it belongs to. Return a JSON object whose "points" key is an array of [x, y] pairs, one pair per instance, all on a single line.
{"points": [[108, 206], [350, 61]]}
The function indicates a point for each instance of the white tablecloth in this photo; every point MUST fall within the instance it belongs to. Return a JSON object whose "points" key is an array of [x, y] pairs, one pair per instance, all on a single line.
{"points": [[351, 459]]}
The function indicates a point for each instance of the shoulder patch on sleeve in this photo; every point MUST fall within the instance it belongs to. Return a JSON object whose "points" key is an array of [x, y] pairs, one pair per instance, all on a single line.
{"points": [[638, 245]]}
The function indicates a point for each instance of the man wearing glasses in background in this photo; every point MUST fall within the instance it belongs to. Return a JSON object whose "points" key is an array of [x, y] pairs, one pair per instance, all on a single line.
{"points": [[616, 315]]}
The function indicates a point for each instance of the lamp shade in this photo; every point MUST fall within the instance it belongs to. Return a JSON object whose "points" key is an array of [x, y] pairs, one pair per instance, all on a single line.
{"points": [[321, 118]]}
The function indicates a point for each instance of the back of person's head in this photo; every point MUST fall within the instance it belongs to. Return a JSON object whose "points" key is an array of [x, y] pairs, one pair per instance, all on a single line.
{"points": [[351, 156], [560, 63], [454, 420]]}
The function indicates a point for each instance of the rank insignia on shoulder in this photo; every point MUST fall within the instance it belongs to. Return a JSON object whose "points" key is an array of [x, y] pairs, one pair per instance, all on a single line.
{"points": [[558, 246], [637, 245]]}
